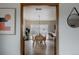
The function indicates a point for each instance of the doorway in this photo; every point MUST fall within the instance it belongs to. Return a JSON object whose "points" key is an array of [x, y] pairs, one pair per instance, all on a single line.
{"points": [[39, 19]]}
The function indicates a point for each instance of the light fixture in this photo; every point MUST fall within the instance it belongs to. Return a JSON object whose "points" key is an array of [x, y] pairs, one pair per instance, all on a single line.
{"points": [[38, 10]]}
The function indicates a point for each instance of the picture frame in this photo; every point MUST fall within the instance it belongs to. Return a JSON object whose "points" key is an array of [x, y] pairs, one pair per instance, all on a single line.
{"points": [[7, 21]]}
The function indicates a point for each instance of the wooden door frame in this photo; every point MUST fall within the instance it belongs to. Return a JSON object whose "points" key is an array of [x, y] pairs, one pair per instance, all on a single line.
{"points": [[56, 46]]}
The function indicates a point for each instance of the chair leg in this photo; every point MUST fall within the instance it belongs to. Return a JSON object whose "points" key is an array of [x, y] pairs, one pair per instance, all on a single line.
{"points": [[45, 43], [33, 43]]}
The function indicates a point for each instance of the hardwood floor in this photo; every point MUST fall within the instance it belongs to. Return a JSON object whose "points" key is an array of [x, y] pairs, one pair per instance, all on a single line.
{"points": [[39, 49]]}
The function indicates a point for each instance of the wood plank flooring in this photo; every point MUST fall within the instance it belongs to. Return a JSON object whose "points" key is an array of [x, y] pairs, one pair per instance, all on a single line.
{"points": [[47, 49]]}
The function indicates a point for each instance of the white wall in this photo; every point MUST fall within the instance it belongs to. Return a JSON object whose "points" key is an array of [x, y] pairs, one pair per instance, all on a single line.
{"points": [[46, 13], [68, 37], [10, 44]]}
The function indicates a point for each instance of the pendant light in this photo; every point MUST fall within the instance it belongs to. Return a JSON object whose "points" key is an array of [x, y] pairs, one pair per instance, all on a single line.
{"points": [[38, 10]]}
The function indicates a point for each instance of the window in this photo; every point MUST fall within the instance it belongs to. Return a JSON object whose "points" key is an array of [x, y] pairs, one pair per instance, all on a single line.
{"points": [[43, 29]]}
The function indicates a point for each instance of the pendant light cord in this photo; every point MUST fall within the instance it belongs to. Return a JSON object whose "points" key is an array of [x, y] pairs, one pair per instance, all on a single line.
{"points": [[39, 24]]}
